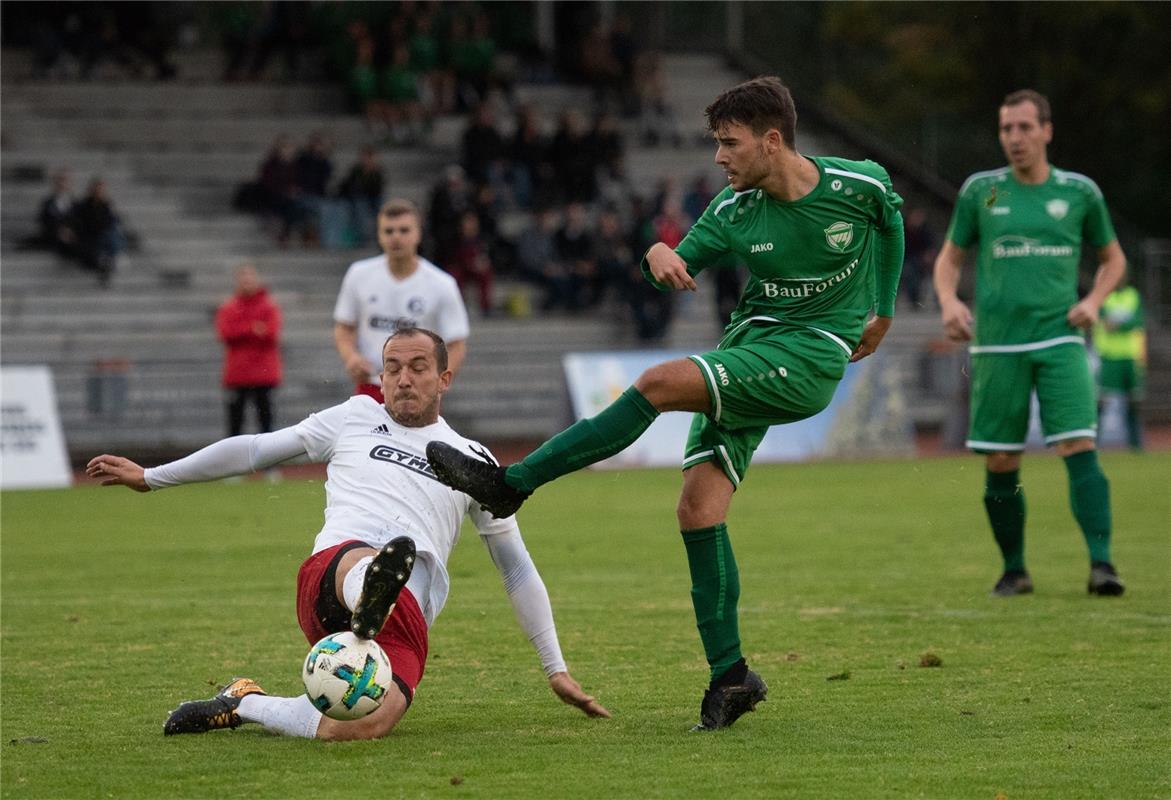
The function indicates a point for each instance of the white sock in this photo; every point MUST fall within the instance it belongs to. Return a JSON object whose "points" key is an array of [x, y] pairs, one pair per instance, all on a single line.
{"points": [[289, 716], [352, 585]]}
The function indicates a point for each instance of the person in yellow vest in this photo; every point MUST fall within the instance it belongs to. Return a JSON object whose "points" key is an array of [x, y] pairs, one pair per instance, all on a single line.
{"points": [[1121, 343]]}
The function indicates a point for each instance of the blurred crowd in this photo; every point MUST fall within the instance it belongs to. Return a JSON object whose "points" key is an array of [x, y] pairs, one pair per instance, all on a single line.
{"points": [[86, 229]]}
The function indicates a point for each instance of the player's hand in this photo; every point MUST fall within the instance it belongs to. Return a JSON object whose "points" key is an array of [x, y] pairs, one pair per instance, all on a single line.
{"points": [[957, 321], [570, 692], [668, 268], [358, 368], [871, 336], [117, 471], [1084, 314]]}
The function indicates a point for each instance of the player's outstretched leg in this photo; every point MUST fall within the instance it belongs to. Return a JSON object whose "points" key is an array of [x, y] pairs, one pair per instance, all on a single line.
{"points": [[201, 716], [483, 480], [385, 578], [734, 694]]}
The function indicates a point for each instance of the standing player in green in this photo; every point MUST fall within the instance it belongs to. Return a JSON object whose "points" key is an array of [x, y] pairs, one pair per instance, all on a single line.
{"points": [[1121, 343], [823, 241], [1029, 220]]}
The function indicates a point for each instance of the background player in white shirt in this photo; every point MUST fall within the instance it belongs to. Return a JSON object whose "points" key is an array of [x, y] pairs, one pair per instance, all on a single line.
{"points": [[380, 496], [398, 288]]}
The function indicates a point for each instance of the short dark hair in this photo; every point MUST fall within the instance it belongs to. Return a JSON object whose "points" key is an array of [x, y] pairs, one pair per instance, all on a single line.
{"points": [[397, 206], [761, 103], [404, 329], [1030, 96]]}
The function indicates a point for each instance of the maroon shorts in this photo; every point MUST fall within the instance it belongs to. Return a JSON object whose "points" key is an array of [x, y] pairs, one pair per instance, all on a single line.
{"points": [[403, 637], [370, 390]]}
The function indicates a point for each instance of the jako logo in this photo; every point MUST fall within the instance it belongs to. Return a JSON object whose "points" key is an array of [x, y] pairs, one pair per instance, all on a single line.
{"points": [[764, 247], [723, 373]]}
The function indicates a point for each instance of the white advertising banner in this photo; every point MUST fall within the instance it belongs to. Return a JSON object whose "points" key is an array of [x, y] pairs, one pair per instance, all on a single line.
{"points": [[867, 415], [32, 446]]}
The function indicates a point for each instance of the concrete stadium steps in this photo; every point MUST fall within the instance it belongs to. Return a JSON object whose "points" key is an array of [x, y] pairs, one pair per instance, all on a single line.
{"points": [[153, 101]]}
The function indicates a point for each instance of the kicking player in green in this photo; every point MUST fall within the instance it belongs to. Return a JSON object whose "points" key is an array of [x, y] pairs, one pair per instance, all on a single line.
{"points": [[823, 241], [1029, 220]]}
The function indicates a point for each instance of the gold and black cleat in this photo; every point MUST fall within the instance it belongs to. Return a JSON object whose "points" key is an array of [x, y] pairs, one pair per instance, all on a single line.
{"points": [[201, 716]]}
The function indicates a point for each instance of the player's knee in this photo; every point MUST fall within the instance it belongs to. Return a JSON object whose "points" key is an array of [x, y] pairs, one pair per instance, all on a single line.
{"points": [[1003, 462], [1069, 447]]}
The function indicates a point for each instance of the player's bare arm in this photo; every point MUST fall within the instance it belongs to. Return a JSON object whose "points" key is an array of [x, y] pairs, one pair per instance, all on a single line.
{"points": [[570, 692], [872, 335], [345, 339], [1111, 269], [117, 471], [956, 316], [668, 268]]}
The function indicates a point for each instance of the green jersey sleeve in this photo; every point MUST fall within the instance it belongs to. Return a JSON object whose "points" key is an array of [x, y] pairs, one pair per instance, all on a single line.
{"points": [[705, 245], [964, 229], [1098, 230]]}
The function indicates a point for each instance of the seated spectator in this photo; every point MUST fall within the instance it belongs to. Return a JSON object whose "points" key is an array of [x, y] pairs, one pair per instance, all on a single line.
{"points": [[652, 309], [279, 195], [600, 68], [313, 168], [361, 190], [482, 148], [57, 226], [573, 160], [538, 262], [698, 197], [576, 250], [613, 256], [450, 198], [656, 118], [473, 57], [438, 79], [470, 262], [531, 172], [402, 108], [100, 238]]}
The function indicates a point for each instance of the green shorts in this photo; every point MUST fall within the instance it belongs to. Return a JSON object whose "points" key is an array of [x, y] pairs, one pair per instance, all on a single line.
{"points": [[1002, 385], [1123, 375], [761, 375]]}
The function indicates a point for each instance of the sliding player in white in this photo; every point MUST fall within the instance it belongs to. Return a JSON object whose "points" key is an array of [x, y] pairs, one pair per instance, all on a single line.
{"points": [[384, 507]]}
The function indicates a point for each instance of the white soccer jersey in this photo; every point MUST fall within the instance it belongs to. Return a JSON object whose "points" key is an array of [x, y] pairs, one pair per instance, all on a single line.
{"points": [[376, 302], [373, 464]]}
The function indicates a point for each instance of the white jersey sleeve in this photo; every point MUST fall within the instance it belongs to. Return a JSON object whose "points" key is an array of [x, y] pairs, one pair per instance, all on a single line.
{"points": [[347, 309], [452, 315], [319, 431]]}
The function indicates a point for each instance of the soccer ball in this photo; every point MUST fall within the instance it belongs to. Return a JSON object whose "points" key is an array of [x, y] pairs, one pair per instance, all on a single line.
{"points": [[346, 677]]}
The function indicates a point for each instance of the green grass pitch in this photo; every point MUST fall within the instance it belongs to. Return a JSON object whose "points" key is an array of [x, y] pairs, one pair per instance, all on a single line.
{"points": [[117, 606]]}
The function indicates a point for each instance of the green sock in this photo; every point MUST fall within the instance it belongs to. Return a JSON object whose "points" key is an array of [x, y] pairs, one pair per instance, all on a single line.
{"points": [[1089, 497], [1004, 499], [585, 442], [1134, 426], [715, 593]]}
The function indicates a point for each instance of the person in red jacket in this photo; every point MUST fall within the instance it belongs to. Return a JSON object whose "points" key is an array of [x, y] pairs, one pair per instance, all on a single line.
{"points": [[249, 325]]}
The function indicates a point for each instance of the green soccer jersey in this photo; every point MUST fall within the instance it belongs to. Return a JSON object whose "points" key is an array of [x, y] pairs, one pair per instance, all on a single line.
{"points": [[813, 261], [1030, 240]]}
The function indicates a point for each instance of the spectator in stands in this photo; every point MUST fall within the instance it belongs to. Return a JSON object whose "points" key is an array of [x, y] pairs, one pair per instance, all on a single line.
{"points": [[609, 149], [576, 250], [538, 261], [473, 56], [398, 288], [314, 169], [656, 118], [437, 77], [278, 193], [249, 325], [361, 190], [699, 196], [531, 169], [100, 237], [573, 160], [599, 67], [450, 198], [402, 107], [919, 256], [613, 256], [652, 309], [482, 148], [57, 225], [470, 262]]}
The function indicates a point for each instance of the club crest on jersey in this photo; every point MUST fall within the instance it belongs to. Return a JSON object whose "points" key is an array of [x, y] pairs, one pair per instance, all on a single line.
{"points": [[1057, 208], [839, 235]]}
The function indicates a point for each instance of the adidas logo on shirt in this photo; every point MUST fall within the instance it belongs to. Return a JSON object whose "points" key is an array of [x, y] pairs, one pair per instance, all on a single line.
{"points": [[382, 429]]}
